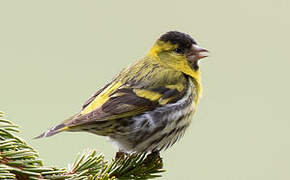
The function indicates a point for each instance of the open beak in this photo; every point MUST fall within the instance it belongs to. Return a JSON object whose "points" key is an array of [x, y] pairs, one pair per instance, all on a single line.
{"points": [[197, 53]]}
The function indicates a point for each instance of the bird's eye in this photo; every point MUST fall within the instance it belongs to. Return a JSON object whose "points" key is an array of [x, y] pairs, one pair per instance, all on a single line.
{"points": [[178, 50]]}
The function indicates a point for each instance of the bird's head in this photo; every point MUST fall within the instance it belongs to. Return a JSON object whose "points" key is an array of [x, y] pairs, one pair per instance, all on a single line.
{"points": [[179, 50]]}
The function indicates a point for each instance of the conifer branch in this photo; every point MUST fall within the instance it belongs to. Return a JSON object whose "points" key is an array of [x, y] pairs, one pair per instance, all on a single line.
{"points": [[20, 161]]}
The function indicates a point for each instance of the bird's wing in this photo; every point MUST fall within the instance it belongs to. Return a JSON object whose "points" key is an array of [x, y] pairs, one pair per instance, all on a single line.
{"points": [[140, 88], [94, 96]]}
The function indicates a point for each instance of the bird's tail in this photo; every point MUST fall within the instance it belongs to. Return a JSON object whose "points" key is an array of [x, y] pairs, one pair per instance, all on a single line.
{"points": [[52, 131]]}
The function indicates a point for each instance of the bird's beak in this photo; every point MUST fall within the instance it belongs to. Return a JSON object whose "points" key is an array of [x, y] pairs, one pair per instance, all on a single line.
{"points": [[197, 53]]}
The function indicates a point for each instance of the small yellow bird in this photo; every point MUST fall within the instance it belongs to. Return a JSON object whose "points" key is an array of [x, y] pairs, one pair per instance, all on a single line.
{"points": [[150, 104]]}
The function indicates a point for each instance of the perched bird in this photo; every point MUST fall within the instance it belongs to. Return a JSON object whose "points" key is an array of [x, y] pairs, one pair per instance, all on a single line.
{"points": [[150, 104]]}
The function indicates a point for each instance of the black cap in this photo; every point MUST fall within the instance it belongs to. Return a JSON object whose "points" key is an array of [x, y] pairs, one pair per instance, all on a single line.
{"points": [[183, 40]]}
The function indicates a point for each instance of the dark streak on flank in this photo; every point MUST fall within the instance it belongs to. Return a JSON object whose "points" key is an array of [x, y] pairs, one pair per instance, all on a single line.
{"points": [[179, 120], [156, 141], [171, 132]]}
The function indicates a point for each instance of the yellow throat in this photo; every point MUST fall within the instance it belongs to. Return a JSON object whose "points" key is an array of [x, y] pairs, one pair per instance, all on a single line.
{"points": [[180, 63]]}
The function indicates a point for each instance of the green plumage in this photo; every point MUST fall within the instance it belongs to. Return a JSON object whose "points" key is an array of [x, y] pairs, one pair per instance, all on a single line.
{"points": [[155, 98]]}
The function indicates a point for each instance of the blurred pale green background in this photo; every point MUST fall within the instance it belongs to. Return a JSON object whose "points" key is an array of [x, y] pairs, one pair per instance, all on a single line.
{"points": [[55, 54]]}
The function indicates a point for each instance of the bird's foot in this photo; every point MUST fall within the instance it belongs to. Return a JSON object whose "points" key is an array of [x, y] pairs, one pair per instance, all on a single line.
{"points": [[121, 155]]}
